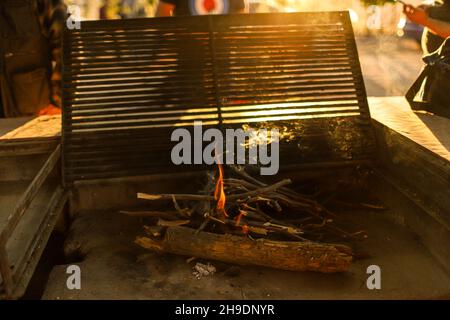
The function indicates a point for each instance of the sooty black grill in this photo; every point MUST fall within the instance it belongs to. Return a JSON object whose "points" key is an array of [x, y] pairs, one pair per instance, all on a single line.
{"points": [[129, 83]]}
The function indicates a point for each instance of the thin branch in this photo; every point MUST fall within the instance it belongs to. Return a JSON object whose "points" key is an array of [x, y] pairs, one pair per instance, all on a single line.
{"points": [[197, 197]]}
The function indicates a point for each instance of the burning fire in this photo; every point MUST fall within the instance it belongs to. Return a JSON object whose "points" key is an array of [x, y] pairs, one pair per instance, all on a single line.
{"points": [[219, 193], [219, 196]]}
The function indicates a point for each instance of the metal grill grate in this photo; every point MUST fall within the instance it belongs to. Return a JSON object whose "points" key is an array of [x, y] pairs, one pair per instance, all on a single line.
{"points": [[128, 83]]}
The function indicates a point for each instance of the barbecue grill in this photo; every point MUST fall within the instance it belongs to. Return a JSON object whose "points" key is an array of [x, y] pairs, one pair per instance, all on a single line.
{"points": [[127, 84]]}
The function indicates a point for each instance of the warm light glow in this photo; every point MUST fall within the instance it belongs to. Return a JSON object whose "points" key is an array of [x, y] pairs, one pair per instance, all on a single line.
{"points": [[354, 17], [402, 23]]}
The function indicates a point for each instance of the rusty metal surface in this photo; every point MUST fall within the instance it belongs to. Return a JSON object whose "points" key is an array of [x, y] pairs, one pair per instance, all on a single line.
{"points": [[129, 83], [27, 218]]}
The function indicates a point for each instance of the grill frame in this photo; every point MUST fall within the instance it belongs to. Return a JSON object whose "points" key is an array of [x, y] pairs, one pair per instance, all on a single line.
{"points": [[94, 150]]}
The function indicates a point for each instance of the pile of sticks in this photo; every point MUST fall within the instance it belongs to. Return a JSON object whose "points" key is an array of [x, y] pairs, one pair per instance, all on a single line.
{"points": [[239, 219]]}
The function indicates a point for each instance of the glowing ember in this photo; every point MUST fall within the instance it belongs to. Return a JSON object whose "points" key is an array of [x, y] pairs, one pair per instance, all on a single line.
{"points": [[219, 193], [238, 218]]}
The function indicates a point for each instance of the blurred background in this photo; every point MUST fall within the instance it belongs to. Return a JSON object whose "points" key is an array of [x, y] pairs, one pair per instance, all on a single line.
{"points": [[388, 44]]}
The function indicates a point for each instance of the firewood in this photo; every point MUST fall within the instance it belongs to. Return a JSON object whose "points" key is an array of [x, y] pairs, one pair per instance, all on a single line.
{"points": [[260, 227], [198, 197], [175, 223], [154, 231], [188, 197], [283, 190], [263, 190], [293, 256], [183, 212]]}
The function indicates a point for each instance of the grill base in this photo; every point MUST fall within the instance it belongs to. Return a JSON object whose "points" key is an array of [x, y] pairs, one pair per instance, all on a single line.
{"points": [[170, 277]]}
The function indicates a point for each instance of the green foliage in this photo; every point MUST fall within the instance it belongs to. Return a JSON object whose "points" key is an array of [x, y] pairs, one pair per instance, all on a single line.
{"points": [[377, 2]]}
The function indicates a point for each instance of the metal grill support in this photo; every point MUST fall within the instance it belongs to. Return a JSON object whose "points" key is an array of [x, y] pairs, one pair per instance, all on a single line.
{"points": [[129, 83]]}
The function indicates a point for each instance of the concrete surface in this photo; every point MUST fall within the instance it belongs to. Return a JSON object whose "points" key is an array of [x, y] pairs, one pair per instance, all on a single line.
{"points": [[113, 267], [429, 131]]}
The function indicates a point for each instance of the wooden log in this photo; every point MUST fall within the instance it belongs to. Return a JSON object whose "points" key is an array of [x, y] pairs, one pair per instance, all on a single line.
{"points": [[293, 256]]}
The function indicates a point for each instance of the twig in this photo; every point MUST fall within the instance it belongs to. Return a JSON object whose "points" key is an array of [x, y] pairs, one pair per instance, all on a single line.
{"points": [[202, 226], [264, 190], [196, 197], [183, 212], [193, 197]]}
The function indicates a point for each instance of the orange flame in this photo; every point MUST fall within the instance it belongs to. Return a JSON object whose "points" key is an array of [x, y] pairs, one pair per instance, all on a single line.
{"points": [[245, 228], [219, 193]]}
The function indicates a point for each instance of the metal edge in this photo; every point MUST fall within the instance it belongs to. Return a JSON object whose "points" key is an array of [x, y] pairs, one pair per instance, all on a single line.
{"points": [[26, 267]]}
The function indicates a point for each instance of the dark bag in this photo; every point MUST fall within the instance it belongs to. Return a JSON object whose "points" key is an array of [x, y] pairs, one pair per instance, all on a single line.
{"points": [[431, 91], [24, 59]]}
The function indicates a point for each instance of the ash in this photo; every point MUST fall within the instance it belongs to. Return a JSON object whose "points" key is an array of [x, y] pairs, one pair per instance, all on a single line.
{"points": [[203, 270]]}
